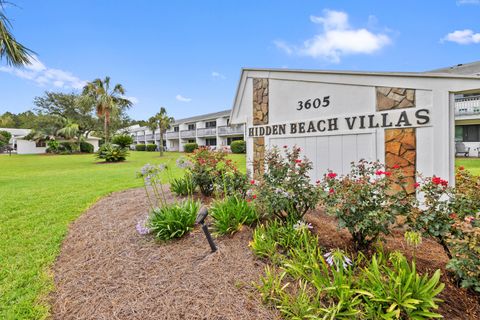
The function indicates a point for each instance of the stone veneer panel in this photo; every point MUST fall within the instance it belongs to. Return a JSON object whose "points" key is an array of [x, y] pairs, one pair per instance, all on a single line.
{"points": [[260, 101], [401, 150], [258, 157], [394, 98]]}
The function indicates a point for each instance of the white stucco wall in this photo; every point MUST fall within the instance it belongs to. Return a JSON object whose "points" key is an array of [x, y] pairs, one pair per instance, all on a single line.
{"points": [[28, 147]]}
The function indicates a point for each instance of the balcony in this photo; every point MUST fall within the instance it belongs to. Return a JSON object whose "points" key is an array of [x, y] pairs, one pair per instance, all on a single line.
{"points": [[207, 132], [467, 106], [238, 129], [185, 134], [157, 136], [172, 135], [149, 136]]}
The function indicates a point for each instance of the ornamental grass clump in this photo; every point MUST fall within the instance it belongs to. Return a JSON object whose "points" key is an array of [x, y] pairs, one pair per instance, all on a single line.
{"points": [[366, 200], [231, 213], [174, 220], [284, 191]]}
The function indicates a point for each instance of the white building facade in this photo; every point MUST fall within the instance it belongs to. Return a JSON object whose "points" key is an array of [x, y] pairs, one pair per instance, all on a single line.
{"points": [[336, 117], [213, 130]]}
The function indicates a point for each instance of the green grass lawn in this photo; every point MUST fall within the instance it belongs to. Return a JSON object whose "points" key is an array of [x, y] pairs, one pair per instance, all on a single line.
{"points": [[471, 164], [39, 196]]}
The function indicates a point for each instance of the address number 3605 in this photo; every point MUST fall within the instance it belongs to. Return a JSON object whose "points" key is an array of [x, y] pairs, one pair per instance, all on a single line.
{"points": [[315, 103]]}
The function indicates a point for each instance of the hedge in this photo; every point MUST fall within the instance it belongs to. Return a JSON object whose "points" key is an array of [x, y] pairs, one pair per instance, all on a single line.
{"points": [[151, 147], [86, 147], [238, 146], [190, 147], [140, 147]]}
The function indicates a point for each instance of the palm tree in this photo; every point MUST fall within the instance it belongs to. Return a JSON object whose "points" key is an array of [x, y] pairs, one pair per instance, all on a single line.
{"points": [[163, 123], [71, 130], [11, 50], [152, 124], [107, 101]]}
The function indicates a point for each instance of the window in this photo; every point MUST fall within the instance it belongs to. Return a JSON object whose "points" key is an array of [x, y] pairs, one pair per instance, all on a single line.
{"points": [[40, 144], [176, 129], [228, 121], [211, 124], [458, 133], [211, 141], [191, 126], [471, 133], [191, 140]]}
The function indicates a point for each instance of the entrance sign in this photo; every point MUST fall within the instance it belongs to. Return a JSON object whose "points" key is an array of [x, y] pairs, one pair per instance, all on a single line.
{"points": [[400, 119]]}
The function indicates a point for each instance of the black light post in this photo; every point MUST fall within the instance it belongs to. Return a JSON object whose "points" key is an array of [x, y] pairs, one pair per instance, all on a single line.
{"points": [[202, 214]]}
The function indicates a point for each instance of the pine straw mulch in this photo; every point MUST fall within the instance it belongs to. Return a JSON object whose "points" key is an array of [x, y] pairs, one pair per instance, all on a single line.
{"points": [[107, 271]]}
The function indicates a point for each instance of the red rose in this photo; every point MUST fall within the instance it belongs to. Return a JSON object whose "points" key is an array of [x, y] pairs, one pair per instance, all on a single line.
{"points": [[461, 168], [387, 173], [298, 161], [379, 172], [396, 166], [416, 185], [436, 180], [331, 175], [254, 196], [453, 215], [252, 181], [331, 191]]}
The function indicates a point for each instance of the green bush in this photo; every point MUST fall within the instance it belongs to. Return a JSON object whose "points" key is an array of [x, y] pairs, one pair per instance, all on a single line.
{"points": [[190, 147], [67, 147], [86, 147], [5, 137], [140, 147], [183, 186], [123, 140], [53, 146], [238, 146], [231, 213], [112, 153], [151, 147], [173, 221]]}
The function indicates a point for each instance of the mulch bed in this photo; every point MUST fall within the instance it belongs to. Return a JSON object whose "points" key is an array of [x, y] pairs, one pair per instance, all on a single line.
{"points": [[108, 271]]}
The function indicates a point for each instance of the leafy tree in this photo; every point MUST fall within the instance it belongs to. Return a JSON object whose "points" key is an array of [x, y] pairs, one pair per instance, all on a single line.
{"points": [[5, 137], [14, 53], [152, 124], [107, 101]]}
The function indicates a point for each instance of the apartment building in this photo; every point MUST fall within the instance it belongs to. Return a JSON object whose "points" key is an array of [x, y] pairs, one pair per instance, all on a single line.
{"points": [[212, 129]]}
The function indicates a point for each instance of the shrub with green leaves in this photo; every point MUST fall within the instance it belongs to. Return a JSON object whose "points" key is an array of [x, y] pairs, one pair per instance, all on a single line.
{"points": [[285, 189], [190, 147], [123, 140], [366, 200], [86, 147], [173, 221], [140, 147], [151, 147], [231, 213], [53, 146], [112, 153], [5, 137], [238, 146], [184, 186]]}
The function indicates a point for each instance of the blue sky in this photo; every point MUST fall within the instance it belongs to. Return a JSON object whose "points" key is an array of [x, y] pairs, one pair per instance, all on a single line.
{"points": [[187, 55]]}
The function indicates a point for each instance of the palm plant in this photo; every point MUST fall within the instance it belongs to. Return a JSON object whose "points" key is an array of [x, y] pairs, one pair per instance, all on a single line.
{"points": [[152, 124], [163, 124], [108, 101], [11, 50], [71, 130]]}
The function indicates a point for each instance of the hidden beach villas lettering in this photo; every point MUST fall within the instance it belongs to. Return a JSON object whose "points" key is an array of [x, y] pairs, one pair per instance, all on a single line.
{"points": [[393, 119]]}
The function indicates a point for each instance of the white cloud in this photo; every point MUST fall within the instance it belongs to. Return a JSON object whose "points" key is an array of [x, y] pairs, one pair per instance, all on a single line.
{"points": [[336, 39], [181, 98], [44, 76], [466, 36], [462, 2], [218, 75], [134, 100]]}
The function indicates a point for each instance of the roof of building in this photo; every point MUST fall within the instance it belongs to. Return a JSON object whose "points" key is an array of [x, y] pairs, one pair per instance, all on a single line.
{"points": [[472, 68]]}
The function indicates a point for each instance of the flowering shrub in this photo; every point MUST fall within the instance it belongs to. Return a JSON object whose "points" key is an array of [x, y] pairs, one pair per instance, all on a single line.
{"points": [[465, 245], [212, 171], [285, 189], [366, 200]]}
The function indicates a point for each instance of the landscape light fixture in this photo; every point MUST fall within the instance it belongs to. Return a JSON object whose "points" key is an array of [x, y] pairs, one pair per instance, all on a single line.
{"points": [[202, 214]]}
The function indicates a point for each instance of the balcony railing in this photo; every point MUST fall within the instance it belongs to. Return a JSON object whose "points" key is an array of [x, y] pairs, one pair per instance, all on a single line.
{"points": [[157, 136], [231, 130], [467, 106], [149, 136], [207, 132], [173, 135], [187, 133]]}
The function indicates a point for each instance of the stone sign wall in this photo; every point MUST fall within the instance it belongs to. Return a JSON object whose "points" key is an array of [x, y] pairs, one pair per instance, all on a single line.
{"points": [[394, 98], [260, 117]]}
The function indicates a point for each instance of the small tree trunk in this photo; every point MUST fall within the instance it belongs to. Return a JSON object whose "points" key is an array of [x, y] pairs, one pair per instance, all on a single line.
{"points": [[161, 143], [105, 128]]}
